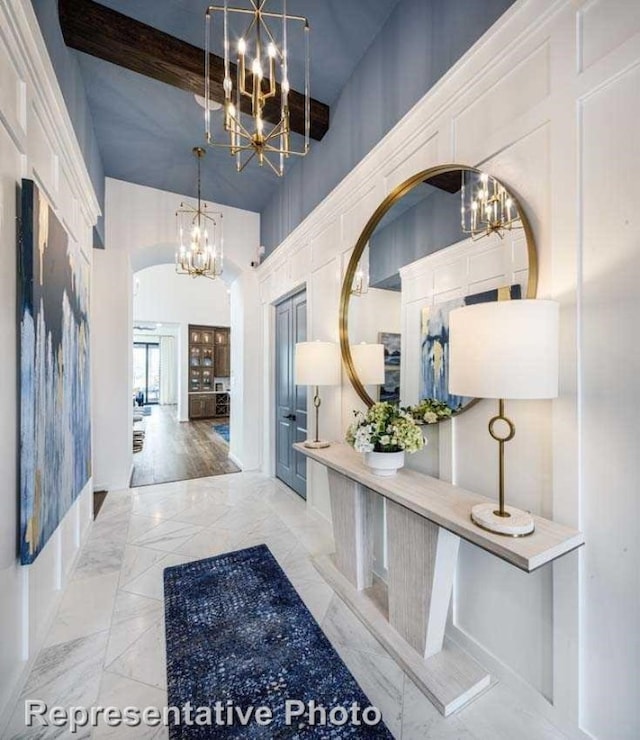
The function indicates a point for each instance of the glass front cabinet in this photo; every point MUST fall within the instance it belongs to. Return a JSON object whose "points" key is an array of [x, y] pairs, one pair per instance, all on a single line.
{"points": [[209, 371]]}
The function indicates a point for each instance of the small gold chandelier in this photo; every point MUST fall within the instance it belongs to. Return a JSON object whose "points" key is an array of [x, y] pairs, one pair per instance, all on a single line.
{"points": [[261, 74], [360, 284], [487, 207], [203, 255]]}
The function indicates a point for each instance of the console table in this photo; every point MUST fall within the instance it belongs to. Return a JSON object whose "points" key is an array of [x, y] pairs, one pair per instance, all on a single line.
{"points": [[426, 518]]}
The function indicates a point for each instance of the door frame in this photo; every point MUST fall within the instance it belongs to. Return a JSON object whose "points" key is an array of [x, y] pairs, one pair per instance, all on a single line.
{"points": [[269, 318]]}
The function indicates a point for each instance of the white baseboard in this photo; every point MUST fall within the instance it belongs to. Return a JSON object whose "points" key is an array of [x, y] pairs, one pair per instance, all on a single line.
{"points": [[115, 486], [319, 513], [6, 711], [236, 461], [506, 675]]}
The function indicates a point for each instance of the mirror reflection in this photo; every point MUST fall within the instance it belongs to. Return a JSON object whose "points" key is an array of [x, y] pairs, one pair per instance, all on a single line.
{"points": [[448, 237]]}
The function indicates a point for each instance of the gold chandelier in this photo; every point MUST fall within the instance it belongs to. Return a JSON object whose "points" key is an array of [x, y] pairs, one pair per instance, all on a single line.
{"points": [[487, 207], [360, 284], [261, 73], [200, 245]]}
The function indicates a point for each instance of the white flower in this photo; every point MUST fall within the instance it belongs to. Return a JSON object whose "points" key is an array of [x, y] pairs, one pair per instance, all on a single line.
{"points": [[384, 426], [431, 417], [362, 439]]}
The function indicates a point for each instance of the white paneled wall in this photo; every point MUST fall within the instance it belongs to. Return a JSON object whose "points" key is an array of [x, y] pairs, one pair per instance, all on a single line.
{"points": [[610, 407], [112, 361], [36, 141], [547, 101]]}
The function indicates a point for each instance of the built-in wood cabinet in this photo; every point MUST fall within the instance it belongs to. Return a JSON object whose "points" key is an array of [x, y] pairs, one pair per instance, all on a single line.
{"points": [[222, 353], [202, 405], [222, 404], [209, 371], [223, 361]]}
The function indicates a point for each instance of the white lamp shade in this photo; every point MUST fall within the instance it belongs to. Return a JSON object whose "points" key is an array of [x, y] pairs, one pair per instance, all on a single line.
{"points": [[368, 361], [506, 349], [317, 363]]}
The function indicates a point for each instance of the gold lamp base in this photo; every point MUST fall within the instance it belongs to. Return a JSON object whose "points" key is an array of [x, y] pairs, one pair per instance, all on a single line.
{"points": [[499, 518], [317, 444], [513, 523]]}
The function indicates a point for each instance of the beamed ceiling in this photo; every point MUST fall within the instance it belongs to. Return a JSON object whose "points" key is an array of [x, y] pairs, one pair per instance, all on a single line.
{"points": [[142, 61]]}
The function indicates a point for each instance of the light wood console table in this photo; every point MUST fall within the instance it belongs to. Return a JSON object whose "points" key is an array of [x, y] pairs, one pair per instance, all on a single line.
{"points": [[426, 517]]}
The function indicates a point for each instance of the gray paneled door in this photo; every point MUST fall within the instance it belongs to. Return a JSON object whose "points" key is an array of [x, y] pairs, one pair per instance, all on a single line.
{"points": [[291, 400]]}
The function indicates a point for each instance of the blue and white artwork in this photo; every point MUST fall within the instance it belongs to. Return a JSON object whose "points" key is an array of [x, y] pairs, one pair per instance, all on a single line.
{"points": [[434, 339], [392, 343], [55, 418]]}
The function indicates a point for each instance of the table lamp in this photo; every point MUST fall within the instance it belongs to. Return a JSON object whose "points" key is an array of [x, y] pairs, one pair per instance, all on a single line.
{"points": [[316, 364], [504, 350], [368, 362]]}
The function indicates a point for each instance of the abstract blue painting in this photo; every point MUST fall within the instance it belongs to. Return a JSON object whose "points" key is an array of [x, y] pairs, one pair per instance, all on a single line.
{"points": [[55, 418], [392, 343], [434, 339]]}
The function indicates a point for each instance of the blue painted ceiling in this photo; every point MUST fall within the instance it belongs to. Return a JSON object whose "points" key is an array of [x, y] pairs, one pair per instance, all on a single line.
{"points": [[146, 129]]}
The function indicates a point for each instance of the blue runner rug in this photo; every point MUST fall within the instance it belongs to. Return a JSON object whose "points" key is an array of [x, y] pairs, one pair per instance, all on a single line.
{"points": [[222, 430], [239, 637]]}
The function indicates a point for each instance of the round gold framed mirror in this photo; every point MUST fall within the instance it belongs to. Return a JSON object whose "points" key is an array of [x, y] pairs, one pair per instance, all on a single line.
{"points": [[450, 235]]}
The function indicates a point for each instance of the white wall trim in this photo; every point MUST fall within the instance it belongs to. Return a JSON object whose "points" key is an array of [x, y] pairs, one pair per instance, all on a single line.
{"points": [[38, 141], [22, 26], [500, 672], [237, 461], [526, 83], [32, 651]]}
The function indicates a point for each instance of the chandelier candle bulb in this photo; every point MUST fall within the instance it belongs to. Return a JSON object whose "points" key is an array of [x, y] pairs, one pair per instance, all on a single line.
{"points": [[492, 210], [257, 80], [204, 253]]}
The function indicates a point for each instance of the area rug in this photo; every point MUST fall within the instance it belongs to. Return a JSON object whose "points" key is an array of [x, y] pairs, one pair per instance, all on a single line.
{"points": [[222, 430], [240, 639]]}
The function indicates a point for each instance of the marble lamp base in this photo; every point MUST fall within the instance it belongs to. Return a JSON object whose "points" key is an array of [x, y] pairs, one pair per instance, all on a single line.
{"points": [[518, 524], [317, 444]]}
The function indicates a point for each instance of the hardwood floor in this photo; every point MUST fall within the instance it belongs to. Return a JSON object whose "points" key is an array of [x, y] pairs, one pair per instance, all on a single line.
{"points": [[176, 450]]}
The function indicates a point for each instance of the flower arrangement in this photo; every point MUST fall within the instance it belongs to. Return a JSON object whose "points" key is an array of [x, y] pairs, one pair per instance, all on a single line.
{"points": [[384, 428], [430, 411]]}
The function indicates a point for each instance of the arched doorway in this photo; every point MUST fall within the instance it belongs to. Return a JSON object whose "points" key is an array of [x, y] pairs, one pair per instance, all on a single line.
{"points": [[181, 338]]}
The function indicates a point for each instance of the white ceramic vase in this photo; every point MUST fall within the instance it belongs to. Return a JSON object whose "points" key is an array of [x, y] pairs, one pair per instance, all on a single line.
{"points": [[384, 463]]}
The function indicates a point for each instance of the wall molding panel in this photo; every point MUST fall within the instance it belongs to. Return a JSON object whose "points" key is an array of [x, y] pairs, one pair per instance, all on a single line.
{"points": [[12, 96], [30, 56], [514, 105], [37, 141]]}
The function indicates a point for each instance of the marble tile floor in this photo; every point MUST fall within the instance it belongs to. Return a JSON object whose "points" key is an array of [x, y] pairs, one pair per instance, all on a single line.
{"points": [[106, 645]]}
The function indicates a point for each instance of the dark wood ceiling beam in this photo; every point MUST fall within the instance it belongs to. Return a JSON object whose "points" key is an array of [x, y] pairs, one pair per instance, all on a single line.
{"points": [[451, 182], [106, 34]]}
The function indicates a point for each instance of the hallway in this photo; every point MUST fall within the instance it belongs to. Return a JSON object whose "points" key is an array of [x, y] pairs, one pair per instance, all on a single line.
{"points": [[176, 451]]}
